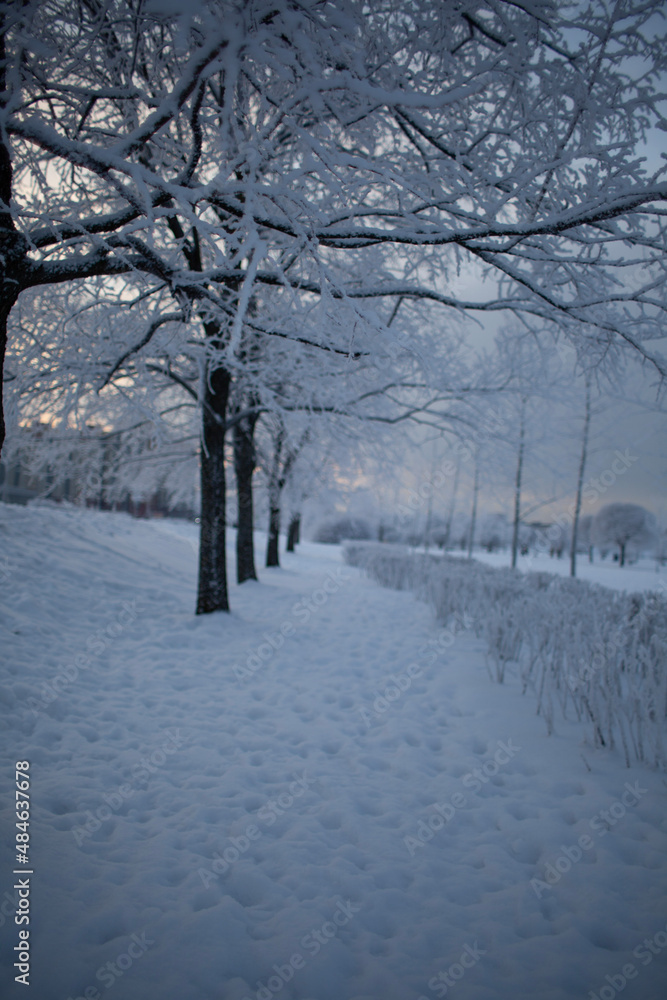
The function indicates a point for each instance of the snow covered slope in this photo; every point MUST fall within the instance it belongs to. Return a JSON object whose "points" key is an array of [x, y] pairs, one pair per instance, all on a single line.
{"points": [[321, 796]]}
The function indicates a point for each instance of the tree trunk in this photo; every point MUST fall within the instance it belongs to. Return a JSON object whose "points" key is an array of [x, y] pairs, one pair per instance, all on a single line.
{"points": [[622, 548], [5, 308], [429, 513], [276, 483], [272, 556], [280, 472], [452, 506], [212, 595], [294, 532], [244, 466], [473, 519], [13, 245], [580, 479], [517, 486]]}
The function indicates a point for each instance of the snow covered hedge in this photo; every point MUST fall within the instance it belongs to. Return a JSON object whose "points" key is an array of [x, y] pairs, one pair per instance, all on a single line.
{"points": [[587, 650]]}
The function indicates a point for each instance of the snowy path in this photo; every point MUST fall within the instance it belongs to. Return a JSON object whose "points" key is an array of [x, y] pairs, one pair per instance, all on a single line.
{"points": [[269, 836]]}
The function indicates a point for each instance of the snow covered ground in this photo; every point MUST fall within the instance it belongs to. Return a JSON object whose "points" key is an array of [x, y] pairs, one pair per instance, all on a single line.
{"points": [[645, 574], [308, 799]]}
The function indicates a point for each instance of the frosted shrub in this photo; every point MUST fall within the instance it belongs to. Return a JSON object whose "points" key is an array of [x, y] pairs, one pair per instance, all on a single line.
{"points": [[594, 654]]}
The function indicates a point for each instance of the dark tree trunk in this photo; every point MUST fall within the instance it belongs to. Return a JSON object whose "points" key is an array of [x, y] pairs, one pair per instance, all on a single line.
{"points": [[276, 483], [452, 506], [212, 595], [473, 518], [580, 478], [280, 471], [5, 308], [294, 532], [517, 485], [621, 546], [272, 558], [6, 228], [13, 246], [244, 467]]}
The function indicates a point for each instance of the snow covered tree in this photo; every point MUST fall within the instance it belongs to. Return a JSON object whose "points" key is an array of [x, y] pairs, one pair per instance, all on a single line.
{"points": [[585, 535], [281, 456], [495, 532], [224, 147], [624, 524], [435, 166], [62, 352], [99, 134]]}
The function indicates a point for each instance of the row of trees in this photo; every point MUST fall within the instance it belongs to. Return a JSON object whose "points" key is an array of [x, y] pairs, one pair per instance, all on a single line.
{"points": [[229, 213], [617, 526], [543, 448]]}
